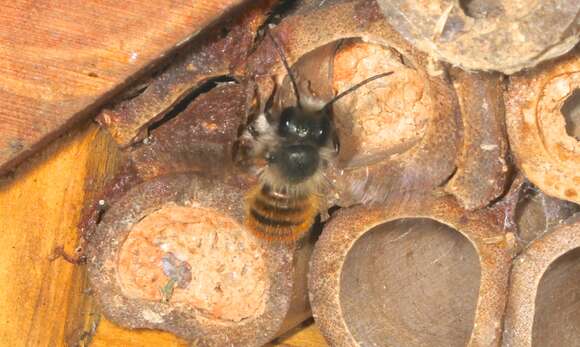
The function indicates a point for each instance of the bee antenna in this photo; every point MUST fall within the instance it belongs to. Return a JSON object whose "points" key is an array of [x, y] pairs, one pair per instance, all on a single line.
{"points": [[285, 62], [355, 87]]}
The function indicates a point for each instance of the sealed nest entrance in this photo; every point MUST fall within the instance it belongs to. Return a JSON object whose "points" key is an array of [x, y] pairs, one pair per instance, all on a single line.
{"points": [[194, 258], [571, 112], [386, 116], [410, 282], [557, 313]]}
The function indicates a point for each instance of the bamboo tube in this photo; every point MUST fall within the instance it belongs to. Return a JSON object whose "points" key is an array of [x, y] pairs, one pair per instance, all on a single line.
{"points": [[412, 274], [542, 308], [498, 35], [200, 139], [374, 157], [208, 56], [172, 254], [546, 150], [482, 166], [417, 272]]}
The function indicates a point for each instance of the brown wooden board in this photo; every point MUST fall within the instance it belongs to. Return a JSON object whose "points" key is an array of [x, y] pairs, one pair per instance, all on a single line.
{"points": [[45, 301], [40, 208], [61, 59]]}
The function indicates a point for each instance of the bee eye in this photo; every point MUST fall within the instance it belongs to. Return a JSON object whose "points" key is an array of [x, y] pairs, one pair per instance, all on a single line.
{"points": [[322, 131], [287, 120], [296, 124]]}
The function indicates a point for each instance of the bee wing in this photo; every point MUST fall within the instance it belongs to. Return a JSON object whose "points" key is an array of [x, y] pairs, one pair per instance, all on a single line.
{"points": [[391, 183]]}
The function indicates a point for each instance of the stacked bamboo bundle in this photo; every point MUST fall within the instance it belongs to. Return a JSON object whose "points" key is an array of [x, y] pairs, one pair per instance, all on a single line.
{"points": [[448, 181]]}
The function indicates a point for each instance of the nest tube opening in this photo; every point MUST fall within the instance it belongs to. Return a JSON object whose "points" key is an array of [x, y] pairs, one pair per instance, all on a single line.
{"points": [[417, 272], [571, 112], [195, 257], [172, 254], [542, 307], [557, 318], [411, 282]]}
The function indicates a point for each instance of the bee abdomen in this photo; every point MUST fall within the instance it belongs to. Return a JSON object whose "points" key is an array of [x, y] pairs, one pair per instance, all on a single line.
{"points": [[272, 220], [280, 217]]}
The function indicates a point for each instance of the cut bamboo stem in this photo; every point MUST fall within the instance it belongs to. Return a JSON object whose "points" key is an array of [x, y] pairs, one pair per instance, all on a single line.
{"points": [[420, 271], [207, 57], [172, 254], [544, 148], [505, 36], [200, 139], [382, 144], [482, 165], [542, 308]]}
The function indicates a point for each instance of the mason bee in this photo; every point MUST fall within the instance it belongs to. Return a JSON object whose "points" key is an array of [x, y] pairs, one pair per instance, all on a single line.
{"points": [[295, 144]]}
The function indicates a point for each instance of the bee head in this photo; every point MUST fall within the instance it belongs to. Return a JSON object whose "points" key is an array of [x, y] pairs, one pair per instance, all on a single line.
{"points": [[301, 135], [302, 131], [298, 126]]}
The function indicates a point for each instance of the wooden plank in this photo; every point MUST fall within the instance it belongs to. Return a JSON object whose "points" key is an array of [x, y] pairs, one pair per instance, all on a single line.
{"points": [[308, 335], [44, 302], [111, 335], [83, 314], [61, 59], [40, 207]]}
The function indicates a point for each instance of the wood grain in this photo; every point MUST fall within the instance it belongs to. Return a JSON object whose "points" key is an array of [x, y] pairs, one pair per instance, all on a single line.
{"points": [[40, 207], [111, 335], [308, 335], [44, 302], [61, 59], [83, 314]]}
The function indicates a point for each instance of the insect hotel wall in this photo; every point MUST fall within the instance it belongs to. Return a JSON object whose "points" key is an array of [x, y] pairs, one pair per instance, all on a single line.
{"points": [[433, 211], [369, 254], [173, 254], [177, 130]]}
